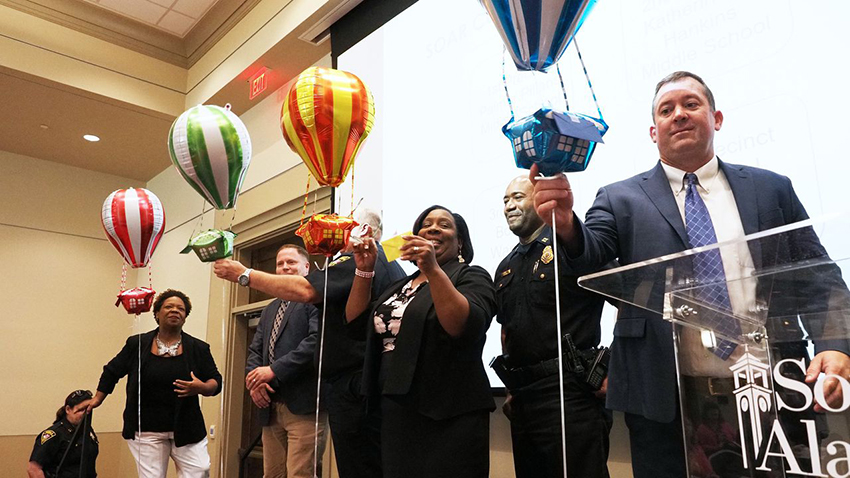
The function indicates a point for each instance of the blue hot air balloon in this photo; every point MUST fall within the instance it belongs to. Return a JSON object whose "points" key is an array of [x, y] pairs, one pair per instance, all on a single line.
{"points": [[536, 32], [556, 141]]}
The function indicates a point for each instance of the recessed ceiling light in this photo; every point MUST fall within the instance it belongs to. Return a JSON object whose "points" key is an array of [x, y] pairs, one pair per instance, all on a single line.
{"points": [[43, 126], [91, 137]]}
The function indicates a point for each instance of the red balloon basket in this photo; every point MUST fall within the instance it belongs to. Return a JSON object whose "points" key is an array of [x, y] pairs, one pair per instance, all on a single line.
{"points": [[326, 234], [136, 300]]}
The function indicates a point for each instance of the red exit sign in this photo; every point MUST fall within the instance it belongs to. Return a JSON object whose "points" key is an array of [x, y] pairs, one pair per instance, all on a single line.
{"points": [[257, 83]]}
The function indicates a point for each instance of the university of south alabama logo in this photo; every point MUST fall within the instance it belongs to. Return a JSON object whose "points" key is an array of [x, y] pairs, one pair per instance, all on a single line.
{"points": [[754, 397]]}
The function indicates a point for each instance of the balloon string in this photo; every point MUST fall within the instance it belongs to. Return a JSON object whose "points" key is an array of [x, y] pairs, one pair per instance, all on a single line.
{"points": [[139, 399], [505, 81], [351, 214], [232, 218], [150, 276], [560, 345], [355, 207], [123, 277], [306, 197], [85, 434], [319, 377], [228, 359], [316, 200], [566, 101], [199, 222], [589, 84]]}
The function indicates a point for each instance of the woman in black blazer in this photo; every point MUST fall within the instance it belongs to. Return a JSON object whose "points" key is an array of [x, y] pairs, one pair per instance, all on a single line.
{"points": [[175, 369], [426, 335]]}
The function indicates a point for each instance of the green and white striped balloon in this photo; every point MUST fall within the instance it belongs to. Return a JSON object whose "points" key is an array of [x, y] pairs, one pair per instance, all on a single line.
{"points": [[211, 148]]}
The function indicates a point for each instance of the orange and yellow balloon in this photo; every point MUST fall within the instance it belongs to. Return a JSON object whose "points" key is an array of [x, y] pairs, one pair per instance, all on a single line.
{"points": [[326, 234], [325, 119]]}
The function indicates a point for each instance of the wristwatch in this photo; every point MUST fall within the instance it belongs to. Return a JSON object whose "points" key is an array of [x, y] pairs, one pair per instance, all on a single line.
{"points": [[245, 277]]}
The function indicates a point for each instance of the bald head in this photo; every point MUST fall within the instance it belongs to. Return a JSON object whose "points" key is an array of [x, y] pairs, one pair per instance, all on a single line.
{"points": [[519, 211], [372, 218]]}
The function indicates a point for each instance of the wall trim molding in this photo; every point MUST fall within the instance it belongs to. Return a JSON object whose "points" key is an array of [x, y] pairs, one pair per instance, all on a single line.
{"points": [[137, 36]]}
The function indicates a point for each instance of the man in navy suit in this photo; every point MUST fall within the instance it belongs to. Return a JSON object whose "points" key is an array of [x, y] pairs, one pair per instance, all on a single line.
{"points": [[644, 217], [282, 378]]}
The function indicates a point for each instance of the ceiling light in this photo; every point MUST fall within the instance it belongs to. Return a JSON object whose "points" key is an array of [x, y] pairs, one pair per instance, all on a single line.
{"points": [[43, 126], [91, 137]]}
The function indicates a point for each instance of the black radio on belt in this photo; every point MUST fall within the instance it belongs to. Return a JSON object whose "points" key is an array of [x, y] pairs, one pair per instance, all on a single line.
{"points": [[590, 364], [598, 368]]}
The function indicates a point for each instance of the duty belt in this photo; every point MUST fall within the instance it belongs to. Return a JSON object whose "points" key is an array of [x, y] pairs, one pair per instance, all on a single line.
{"points": [[590, 365]]}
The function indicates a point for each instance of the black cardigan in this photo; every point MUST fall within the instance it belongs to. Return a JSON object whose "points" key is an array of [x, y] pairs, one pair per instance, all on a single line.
{"points": [[189, 424], [431, 372]]}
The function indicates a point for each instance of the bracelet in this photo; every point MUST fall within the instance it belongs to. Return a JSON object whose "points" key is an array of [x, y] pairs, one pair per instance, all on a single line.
{"points": [[364, 274]]}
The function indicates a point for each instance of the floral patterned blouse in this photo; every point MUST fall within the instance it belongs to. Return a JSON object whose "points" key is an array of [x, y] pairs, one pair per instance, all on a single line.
{"points": [[388, 315]]}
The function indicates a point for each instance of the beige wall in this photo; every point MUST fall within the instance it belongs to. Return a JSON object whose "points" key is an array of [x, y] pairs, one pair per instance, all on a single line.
{"points": [[58, 322]]}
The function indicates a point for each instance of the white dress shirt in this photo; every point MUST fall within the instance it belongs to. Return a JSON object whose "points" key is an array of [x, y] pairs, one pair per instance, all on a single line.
{"points": [[738, 266]]}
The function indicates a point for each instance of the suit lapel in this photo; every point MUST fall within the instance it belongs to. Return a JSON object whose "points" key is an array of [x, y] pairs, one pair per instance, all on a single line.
{"points": [[656, 185], [744, 191]]}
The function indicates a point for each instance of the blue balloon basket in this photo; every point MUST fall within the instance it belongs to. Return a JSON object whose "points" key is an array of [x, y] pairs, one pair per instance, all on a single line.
{"points": [[557, 141]]}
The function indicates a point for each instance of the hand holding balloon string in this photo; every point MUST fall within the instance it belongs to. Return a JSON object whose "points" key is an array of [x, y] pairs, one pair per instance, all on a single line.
{"points": [[365, 254], [553, 200], [228, 269], [419, 250]]}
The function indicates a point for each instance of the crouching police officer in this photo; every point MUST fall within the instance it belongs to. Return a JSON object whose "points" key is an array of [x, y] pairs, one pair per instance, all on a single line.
{"points": [[525, 285], [68, 449]]}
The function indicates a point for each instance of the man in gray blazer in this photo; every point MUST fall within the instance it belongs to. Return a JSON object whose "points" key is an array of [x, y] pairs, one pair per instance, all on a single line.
{"points": [[644, 217], [282, 377]]}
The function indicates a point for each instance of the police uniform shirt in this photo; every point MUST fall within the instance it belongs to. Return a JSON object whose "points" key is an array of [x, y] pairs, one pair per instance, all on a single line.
{"points": [[525, 292], [51, 444], [345, 344]]}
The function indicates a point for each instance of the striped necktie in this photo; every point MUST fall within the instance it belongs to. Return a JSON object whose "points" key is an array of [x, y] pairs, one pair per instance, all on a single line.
{"points": [[278, 322], [708, 269]]}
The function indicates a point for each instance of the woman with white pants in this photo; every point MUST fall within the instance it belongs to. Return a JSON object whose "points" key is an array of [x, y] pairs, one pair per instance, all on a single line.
{"points": [[174, 369]]}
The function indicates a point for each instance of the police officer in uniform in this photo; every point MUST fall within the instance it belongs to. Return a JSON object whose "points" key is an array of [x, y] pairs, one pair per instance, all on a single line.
{"points": [[525, 289], [52, 444]]}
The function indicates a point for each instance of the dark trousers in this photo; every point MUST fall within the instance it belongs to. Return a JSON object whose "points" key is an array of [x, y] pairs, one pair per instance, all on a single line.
{"points": [[536, 430], [355, 428], [658, 449]]}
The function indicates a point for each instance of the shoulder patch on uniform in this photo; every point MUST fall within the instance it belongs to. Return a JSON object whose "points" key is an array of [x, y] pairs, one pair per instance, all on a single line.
{"points": [[506, 272], [547, 255], [339, 261], [47, 435]]}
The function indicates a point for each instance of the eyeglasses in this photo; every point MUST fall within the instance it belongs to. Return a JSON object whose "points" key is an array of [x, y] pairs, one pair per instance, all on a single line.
{"points": [[80, 393]]}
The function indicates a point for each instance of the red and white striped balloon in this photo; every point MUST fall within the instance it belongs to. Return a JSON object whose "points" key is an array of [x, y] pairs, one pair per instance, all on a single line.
{"points": [[134, 222]]}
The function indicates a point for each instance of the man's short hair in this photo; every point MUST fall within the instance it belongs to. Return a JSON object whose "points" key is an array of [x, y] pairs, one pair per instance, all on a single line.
{"points": [[373, 218], [678, 76], [300, 250]]}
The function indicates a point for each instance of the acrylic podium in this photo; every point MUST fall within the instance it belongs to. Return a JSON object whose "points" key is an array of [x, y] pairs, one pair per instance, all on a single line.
{"points": [[748, 411]]}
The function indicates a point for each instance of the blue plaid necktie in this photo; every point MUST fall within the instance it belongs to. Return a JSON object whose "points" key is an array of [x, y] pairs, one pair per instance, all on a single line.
{"points": [[278, 321], [708, 268]]}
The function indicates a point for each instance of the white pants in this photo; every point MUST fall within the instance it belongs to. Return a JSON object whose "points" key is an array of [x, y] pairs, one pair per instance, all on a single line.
{"points": [[152, 450]]}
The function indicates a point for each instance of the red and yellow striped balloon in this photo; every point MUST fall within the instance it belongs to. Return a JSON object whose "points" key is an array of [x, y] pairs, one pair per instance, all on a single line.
{"points": [[325, 119]]}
